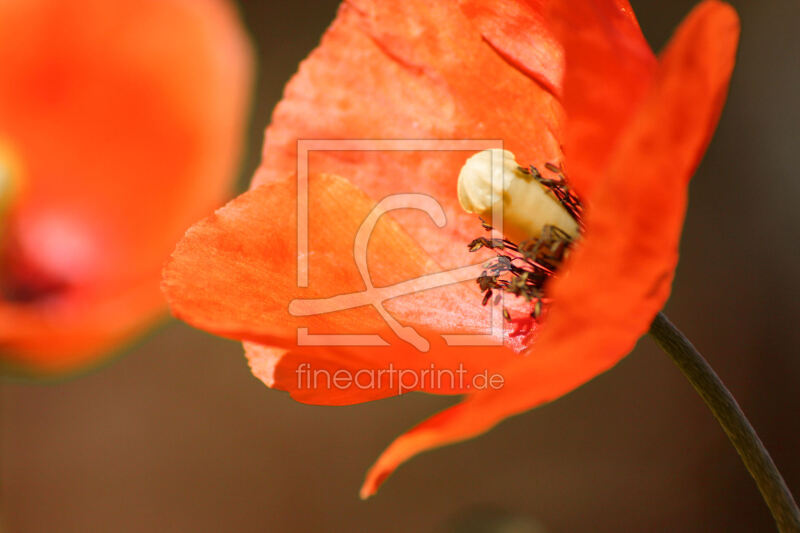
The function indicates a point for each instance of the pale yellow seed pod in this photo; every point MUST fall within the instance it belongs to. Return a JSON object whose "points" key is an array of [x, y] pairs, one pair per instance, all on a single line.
{"points": [[494, 176]]}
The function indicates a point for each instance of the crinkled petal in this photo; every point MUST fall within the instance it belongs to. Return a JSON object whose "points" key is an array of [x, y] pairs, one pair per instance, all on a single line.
{"points": [[236, 274], [518, 30], [410, 70], [620, 276]]}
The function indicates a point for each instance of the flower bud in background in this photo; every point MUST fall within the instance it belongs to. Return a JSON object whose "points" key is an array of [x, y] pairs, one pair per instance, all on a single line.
{"points": [[120, 124]]}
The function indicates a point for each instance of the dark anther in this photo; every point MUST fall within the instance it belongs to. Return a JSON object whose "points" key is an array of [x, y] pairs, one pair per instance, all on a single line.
{"points": [[524, 269]]}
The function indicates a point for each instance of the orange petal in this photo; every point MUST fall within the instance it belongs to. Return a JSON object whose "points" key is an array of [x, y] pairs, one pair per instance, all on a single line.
{"points": [[235, 274], [609, 69], [410, 70], [620, 277], [126, 117], [518, 31]]}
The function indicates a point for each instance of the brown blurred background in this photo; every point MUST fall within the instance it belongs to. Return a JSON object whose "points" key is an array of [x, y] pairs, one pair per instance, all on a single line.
{"points": [[178, 436]]}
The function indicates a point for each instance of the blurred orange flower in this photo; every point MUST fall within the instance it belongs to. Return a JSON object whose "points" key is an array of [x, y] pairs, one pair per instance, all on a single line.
{"points": [[120, 124], [544, 77]]}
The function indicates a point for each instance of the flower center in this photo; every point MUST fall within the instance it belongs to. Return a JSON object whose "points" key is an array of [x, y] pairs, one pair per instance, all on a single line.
{"points": [[541, 220], [492, 185]]}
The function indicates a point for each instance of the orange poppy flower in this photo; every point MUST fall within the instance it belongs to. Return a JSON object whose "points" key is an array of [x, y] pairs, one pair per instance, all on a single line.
{"points": [[541, 76], [120, 124]]}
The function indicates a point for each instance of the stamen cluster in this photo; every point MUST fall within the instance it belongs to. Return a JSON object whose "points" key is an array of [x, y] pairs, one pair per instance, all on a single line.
{"points": [[523, 269], [559, 187]]}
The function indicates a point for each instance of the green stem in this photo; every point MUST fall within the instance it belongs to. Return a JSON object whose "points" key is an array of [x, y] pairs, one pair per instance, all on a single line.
{"points": [[730, 416]]}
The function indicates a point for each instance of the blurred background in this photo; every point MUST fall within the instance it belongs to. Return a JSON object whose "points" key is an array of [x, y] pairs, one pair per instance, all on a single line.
{"points": [[177, 435]]}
